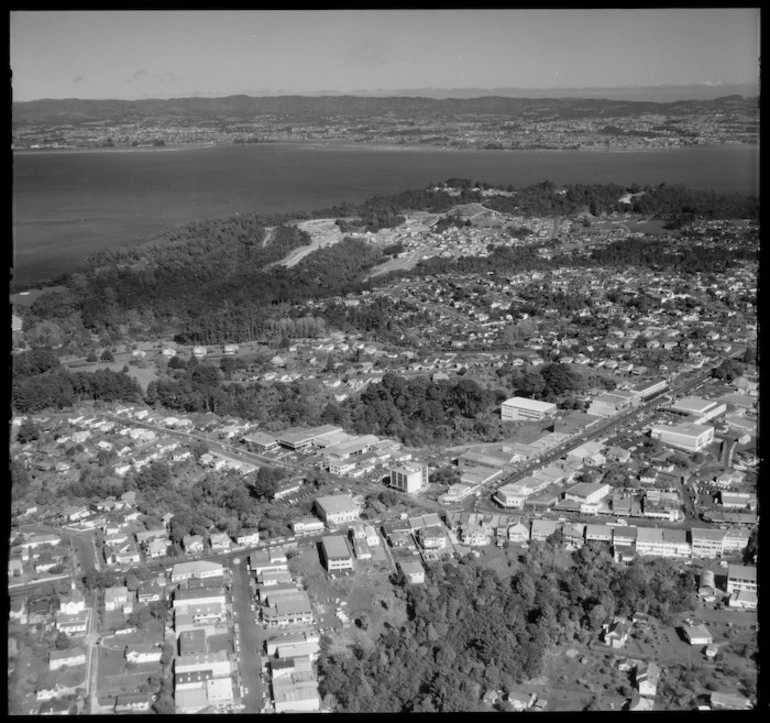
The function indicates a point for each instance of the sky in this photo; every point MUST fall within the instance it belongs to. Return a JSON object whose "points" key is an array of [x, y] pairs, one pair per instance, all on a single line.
{"points": [[167, 54]]}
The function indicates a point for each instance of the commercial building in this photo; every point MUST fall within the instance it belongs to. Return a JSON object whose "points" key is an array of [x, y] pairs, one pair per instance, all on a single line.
{"points": [[687, 437], [743, 600], [647, 390], [292, 609], [521, 408], [698, 410], [611, 403], [514, 494], [307, 526], [337, 509], [662, 542], [741, 577], [706, 542], [217, 663], [588, 495], [297, 438], [409, 479], [197, 570], [335, 553], [260, 442]]}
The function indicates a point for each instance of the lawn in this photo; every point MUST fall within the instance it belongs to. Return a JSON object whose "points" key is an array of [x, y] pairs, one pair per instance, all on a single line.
{"points": [[115, 679]]}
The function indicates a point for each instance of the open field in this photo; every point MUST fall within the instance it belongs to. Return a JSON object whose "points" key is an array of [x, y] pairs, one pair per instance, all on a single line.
{"points": [[367, 591], [116, 679]]}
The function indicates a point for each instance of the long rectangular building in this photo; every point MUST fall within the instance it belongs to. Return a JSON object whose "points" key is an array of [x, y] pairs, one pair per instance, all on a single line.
{"points": [[521, 408]]}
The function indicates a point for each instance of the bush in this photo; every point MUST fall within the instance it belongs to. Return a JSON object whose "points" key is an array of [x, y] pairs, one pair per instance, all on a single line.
{"points": [[91, 357]]}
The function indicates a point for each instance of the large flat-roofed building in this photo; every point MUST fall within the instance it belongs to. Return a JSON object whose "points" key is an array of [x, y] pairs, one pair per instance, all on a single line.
{"points": [[698, 410], [337, 509], [687, 437], [307, 526], [335, 553], [588, 493], [199, 569], [409, 479], [707, 542], [350, 448], [647, 390], [514, 494], [741, 577], [217, 663], [521, 408], [300, 438], [260, 442], [610, 403], [294, 609], [662, 542]]}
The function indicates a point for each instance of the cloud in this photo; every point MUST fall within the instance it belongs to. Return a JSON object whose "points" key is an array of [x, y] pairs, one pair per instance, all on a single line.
{"points": [[712, 82], [138, 74], [383, 62], [167, 77], [78, 78]]}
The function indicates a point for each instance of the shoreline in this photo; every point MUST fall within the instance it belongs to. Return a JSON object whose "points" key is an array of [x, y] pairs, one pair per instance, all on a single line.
{"points": [[376, 146]]}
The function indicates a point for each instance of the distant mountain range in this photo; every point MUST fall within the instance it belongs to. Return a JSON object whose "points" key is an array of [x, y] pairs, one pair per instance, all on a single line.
{"points": [[659, 94], [417, 107]]}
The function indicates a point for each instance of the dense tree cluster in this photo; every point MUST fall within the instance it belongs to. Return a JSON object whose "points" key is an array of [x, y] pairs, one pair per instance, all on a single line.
{"points": [[419, 411], [40, 383], [469, 631]]}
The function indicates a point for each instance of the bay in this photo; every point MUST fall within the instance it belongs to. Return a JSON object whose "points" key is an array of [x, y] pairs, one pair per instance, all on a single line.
{"points": [[67, 204]]}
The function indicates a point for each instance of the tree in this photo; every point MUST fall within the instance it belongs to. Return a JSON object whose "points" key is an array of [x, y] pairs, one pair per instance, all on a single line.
{"points": [[91, 357], [62, 642], [107, 356], [28, 431]]}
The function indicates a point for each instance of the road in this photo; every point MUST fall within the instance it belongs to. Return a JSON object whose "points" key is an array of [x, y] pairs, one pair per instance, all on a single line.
{"points": [[249, 640], [603, 428], [92, 669]]}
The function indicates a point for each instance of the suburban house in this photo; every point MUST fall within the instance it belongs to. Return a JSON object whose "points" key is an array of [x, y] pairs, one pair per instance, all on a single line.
{"points": [[157, 547], [192, 543], [616, 633], [72, 623], [248, 537], [143, 654], [69, 657], [132, 703], [220, 541], [118, 598], [646, 677], [413, 571]]}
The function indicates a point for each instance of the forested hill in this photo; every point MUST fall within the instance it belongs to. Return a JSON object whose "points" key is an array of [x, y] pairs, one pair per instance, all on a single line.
{"points": [[289, 108], [209, 282]]}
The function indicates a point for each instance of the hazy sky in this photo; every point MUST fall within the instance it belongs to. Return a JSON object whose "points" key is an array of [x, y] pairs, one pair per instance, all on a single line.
{"points": [[154, 54]]}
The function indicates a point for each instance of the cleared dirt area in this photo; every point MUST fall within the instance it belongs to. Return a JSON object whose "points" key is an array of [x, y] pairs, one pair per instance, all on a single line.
{"points": [[323, 232]]}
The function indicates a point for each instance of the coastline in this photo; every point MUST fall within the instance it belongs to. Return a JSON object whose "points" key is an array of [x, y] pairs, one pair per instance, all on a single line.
{"points": [[342, 145]]}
